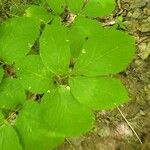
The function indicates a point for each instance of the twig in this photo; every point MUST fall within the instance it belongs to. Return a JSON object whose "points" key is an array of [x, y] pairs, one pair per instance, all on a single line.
{"points": [[71, 144], [130, 125]]}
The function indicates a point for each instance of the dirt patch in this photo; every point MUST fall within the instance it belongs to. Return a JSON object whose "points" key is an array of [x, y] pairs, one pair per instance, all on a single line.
{"points": [[111, 131]]}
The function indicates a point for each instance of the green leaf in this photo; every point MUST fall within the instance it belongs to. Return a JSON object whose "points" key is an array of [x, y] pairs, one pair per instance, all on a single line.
{"points": [[97, 8], [9, 139], [58, 6], [33, 130], [11, 93], [81, 30], [39, 13], [17, 35], [54, 48], [33, 74], [1, 73], [98, 92], [75, 6], [2, 118], [109, 52], [64, 114]]}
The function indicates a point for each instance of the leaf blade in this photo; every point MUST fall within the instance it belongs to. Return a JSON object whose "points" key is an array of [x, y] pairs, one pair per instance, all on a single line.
{"points": [[39, 13], [102, 92], [11, 93], [81, 30], [99, 58], [17, 37], [97, 8], [33, 75], [58, 6], [75, 6], [9, 139], [33, 131], [1, 73], [54, 51], [63, 113]]}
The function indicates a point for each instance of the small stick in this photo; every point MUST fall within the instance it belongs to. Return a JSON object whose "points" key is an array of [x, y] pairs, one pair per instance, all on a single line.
{"points": [[130, 125], [71, 144]]}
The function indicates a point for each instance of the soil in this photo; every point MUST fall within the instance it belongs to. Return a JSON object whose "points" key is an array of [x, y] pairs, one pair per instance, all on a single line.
{"points": [[128, 126]]}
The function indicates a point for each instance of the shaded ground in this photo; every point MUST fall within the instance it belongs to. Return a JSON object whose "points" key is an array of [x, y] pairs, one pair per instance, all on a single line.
{"points": [[111, 131]]}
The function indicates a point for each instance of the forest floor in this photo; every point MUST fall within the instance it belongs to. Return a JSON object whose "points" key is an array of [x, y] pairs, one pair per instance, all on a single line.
{"points": [[126, 127]]}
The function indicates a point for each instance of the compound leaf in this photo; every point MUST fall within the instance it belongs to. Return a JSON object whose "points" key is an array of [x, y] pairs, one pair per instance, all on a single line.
{"points": [[81, 30], [11, 93], [75, 5], [54, 48], [97, 8], [9, 139], [1, 73], [58, 6], [39, 13], [33, 130], [34, 75], [98, 92], [17, 35], [64, 114], [99, 58]]}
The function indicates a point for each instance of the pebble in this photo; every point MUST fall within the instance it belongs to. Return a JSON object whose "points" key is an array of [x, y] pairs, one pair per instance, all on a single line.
{"points": [[104, 132], [124, 130]]}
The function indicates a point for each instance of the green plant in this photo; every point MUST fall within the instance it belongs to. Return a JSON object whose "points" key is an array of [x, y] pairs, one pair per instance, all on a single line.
{"points": [[54, 75]]}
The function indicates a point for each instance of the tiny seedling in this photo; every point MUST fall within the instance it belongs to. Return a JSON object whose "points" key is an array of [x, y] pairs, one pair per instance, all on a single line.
{"points": [[54, 75]]}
